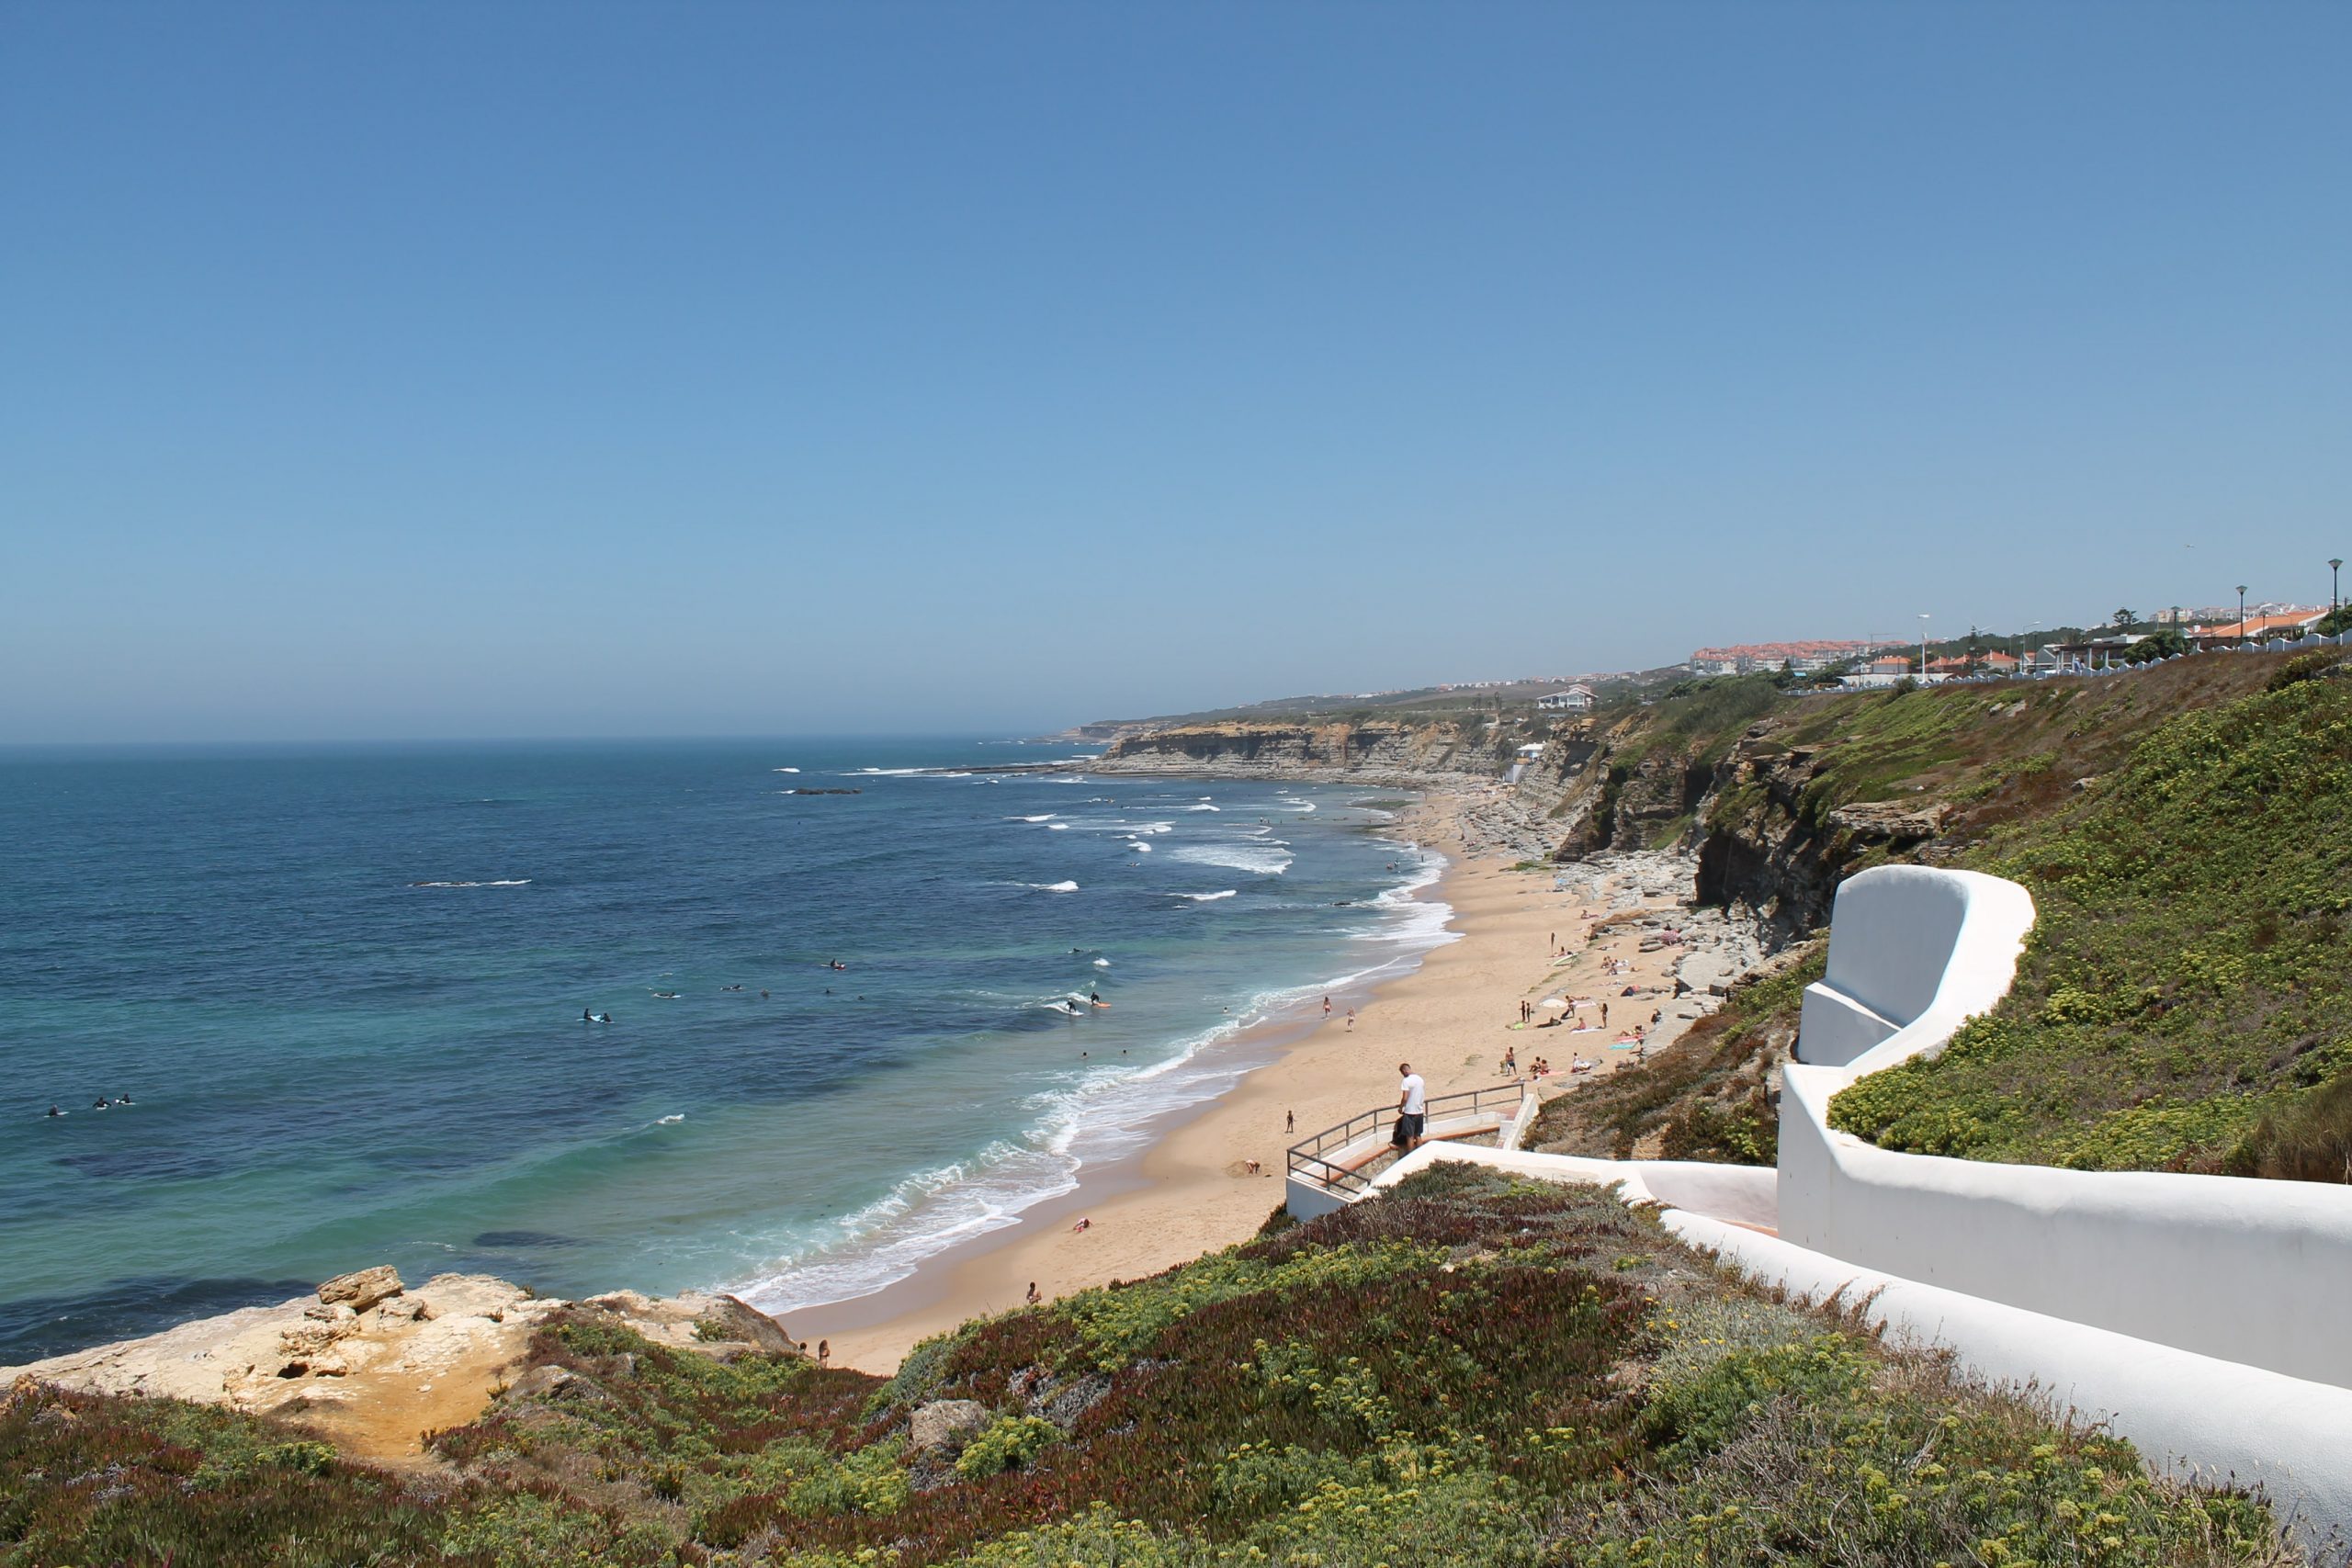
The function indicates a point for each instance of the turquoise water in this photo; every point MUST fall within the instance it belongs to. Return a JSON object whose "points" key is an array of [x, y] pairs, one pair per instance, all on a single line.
{"points": [[343, 991]]}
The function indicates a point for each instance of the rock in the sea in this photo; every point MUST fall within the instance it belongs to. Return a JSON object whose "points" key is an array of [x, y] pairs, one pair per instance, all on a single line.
{"points": [[945, 1423], [364, 1289]]}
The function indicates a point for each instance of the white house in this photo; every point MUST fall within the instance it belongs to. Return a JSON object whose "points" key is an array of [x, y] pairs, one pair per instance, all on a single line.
{"points": [[1576, 699]]}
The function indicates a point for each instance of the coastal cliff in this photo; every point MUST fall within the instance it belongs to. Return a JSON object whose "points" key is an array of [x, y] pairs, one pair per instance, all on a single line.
{"points": [[1379, 752]]}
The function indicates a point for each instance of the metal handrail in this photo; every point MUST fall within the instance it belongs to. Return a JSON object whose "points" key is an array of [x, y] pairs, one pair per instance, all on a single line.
{"points": [[1307, 1155]]}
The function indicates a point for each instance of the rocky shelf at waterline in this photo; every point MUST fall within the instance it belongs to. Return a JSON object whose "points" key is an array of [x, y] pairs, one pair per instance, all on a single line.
{"points": [[374, 1364]]}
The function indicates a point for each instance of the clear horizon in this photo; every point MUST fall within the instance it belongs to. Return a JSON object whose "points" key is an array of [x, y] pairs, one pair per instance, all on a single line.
{"points": [[544, 372]]}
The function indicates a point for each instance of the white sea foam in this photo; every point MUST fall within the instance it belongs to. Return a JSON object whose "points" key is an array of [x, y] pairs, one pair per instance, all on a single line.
{"points": [[1055, 887], [1251, 856], [1056, 827], [1202, 809], [1096, 1114], [1046, 817], [1139, 846], [784, 770], [510, 881], [1156, 827], [1101, 964], [670, 1120]]}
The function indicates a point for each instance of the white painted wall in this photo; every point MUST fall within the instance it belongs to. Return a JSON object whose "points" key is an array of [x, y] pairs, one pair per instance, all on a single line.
{"points": [[2255, 1272], [1911, 946]]}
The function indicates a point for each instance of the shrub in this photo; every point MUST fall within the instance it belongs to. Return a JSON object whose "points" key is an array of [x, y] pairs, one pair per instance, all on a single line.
{"points": [[1010, 1443]]}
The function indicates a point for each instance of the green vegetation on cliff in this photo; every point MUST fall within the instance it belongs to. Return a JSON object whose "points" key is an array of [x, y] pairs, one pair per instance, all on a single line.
{"points": [[2185, 998], [2185, 1001], [1470, 1370]]}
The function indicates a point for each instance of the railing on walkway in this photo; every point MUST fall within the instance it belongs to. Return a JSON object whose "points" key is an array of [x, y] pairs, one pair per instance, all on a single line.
{"points": [[1309, 1157]]}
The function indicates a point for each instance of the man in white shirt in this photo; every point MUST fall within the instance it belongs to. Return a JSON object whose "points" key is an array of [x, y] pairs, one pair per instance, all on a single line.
{"points": [[1413, 1108]]}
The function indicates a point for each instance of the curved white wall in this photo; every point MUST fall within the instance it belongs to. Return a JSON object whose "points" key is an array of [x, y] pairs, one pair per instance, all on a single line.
{"points": [[1912, 951], [2217, 1265]]}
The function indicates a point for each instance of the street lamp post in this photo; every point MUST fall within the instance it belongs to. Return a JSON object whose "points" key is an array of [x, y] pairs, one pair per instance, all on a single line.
{"points": [[2240, 616], [2335, 577], [1923, 645]]}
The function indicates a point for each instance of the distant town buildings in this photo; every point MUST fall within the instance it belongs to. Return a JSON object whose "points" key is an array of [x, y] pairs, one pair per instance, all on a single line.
{"points": [[1804, 658]]}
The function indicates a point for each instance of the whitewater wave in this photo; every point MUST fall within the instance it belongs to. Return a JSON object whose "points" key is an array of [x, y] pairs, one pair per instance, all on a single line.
{"points": [[1203, 809], [1254, 856], [1055, 887], [784, 770], [886, 772], [1101, 964], [508, 882], [1138, 846], [1046, 816], [1104, 1114]]}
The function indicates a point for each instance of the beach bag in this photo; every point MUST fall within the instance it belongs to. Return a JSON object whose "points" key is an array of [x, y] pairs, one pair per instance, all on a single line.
{"points": [[1397, 1135]]}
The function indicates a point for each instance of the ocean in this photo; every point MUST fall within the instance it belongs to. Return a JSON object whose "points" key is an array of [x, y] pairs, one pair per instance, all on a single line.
{"points": [[342, 990]]}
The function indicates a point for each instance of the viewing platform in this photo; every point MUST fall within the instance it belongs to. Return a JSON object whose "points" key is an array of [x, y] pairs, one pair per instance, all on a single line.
{"points": [[1335, 1167]]}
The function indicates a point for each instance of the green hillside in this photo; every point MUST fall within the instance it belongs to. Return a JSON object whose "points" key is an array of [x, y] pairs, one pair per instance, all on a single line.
{"points": [[2185, 998]]}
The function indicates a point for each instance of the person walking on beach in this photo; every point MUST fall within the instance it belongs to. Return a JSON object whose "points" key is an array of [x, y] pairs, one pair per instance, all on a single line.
{"points": [[1290, 1121], [1327, 1007], [1413, 1108]]}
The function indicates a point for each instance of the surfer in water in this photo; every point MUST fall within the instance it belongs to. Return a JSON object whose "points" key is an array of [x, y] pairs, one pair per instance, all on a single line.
{"points": [[54, 1111]]}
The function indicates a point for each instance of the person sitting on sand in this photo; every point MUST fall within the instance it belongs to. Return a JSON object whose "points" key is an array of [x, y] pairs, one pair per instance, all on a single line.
{"points": [[1083, 1224], [1034, 1297]]}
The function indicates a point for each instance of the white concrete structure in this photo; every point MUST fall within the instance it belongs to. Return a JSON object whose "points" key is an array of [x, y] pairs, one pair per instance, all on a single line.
{"points": [[2206, 1317]]}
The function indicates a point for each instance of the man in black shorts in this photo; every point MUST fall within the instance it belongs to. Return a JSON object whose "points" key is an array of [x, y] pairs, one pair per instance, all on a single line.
{"points": [[1412, 1110]]}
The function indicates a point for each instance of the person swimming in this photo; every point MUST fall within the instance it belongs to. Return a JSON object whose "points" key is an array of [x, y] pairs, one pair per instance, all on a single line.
{"points": [[101, 1103]]}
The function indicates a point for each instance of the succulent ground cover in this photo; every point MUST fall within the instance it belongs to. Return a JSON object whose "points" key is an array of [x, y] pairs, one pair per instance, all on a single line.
{"points": [[1471, 1370]]}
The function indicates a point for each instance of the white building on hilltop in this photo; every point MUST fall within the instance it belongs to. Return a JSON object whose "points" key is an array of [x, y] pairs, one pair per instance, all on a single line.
{"points": [[1576, 699]]}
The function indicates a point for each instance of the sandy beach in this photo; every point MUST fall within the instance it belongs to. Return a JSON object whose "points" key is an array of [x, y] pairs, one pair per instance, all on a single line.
{"points": [[1192, 1190]]}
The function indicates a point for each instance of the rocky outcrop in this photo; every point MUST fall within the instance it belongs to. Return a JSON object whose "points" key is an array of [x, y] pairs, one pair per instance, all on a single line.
{"points": [[372, 1364], [943, 1426]]}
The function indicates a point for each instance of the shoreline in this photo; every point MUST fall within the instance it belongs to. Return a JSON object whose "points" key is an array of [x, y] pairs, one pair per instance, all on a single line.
{"points": [[1189, 1190]]}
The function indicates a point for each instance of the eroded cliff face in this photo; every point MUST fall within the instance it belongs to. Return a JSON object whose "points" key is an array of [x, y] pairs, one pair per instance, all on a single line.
{"points": [[1377, 752], [1763, 840]]}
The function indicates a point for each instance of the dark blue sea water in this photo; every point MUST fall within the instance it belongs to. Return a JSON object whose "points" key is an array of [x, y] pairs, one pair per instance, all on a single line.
{"points": [[343, 992]]}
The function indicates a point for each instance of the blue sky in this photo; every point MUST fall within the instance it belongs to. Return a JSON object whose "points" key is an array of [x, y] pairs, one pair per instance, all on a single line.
{"points": [[573, 369]]}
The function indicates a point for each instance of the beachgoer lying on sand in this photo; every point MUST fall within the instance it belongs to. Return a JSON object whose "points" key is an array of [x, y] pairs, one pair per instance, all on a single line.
{"points": [[1083, 1224], [1581, 1065]]}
